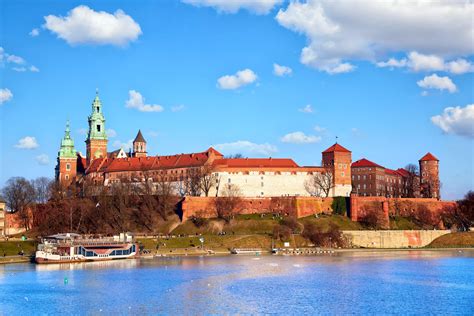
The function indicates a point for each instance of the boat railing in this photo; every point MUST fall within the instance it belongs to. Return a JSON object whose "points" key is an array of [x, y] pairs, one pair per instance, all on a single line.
{"points": [[88, 242]]}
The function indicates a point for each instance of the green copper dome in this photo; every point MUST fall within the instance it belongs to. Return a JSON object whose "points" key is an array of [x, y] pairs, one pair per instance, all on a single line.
{"points": [[67, 149], [96, 121]]}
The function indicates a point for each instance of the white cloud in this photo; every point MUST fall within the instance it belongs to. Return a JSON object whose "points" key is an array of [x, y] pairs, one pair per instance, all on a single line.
{"points": [[42, 159], [319, 129], [420, 62], [83, 25], [137, 101], [19, 69], [424, 93], [436, 82], [241, 78], [300, 138], [177, 108], [5, 95], [28, 142], [459, 66], [281, 71], [246, 147], [34, 32], [456, 120], [126, 146], [392, 63], [233, 6], [34, 69], [368, 30], [111, 133], [307, 109], [15, 59]]}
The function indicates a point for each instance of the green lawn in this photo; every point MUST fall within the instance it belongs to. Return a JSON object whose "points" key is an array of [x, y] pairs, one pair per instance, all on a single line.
{"points": [[11, 248]]}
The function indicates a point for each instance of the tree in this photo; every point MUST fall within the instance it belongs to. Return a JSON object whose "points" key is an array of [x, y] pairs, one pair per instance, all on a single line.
{"points": [[208, 179], [411, 183], [373, 215], [339, 205], [332, 237], [19, 195], [320, 183], [234, 156], [230, 201], [42, 186], [164, 191]]}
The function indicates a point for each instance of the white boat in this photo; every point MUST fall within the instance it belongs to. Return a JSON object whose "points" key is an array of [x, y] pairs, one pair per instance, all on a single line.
{"points": [[70, 247], [246, 251]]}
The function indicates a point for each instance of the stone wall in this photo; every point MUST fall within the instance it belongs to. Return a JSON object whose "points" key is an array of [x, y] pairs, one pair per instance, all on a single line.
{"points": [[290, 206], [393, 238], [426, 209]]}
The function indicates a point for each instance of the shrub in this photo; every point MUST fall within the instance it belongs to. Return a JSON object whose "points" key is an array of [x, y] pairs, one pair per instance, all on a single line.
{"points": [[199, 221], [281, 232], [339, 205], [331, 238], [292, 224]]}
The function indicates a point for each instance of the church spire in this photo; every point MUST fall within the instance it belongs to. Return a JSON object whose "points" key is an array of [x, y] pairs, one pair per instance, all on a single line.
{"points": [[96, 142], [67, 149]]}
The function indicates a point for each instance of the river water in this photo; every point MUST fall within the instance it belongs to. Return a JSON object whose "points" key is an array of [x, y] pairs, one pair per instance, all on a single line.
{"points": [[361, 283]]}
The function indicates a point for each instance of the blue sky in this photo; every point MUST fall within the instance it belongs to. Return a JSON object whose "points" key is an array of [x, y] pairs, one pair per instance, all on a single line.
{"points": [[375, 86]]}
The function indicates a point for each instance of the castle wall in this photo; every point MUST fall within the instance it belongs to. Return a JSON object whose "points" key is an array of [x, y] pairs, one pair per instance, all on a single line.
{"points": [[288, 206], [393, 238]]}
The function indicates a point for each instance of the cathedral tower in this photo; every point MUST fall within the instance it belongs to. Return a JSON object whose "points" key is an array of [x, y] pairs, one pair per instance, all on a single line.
{"points": [[139, 145], [96, 142], [67, 159], [337, 160], [429, 176]]}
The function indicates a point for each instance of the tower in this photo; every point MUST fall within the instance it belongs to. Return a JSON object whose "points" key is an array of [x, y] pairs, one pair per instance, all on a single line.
{"points": [[139, 145], [96, 142], [67, 159], [337, 160], [429, 176]]}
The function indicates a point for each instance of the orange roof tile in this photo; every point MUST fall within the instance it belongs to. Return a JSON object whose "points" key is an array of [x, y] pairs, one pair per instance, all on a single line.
{"points": [[336, 147], [365, 163], [256, 163], [429, 157]]}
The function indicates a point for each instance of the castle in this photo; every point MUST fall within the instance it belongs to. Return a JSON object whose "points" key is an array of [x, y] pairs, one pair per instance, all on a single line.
{"points": [[254, 177]]}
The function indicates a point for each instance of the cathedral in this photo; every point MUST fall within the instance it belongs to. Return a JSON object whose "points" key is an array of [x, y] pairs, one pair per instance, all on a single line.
{"points": [[254, 177]]}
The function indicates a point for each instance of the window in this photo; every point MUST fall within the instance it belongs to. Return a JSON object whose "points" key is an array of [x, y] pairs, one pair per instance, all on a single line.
{"points": [[68, 166], [228, 180], [365, 187], [262, 184], [342, 174], [66, 177], [98, 128]]}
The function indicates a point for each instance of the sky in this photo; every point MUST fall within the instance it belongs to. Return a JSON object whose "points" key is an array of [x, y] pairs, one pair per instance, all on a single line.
{"points": [[392, 80]]}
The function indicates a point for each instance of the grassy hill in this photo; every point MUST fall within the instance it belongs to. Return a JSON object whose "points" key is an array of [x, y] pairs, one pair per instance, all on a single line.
{"points": [[454, 240]]}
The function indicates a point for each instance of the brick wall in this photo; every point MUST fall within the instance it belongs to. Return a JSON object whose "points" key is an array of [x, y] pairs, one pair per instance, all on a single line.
{"points": [[292, 206]]}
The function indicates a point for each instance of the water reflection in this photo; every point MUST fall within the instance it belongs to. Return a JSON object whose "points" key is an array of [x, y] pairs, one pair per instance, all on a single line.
{"points": [[348, 282]]}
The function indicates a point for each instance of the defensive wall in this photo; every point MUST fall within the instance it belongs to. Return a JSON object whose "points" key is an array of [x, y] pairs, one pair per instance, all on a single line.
{"points": [[392, 238], [421, 208], [290, 206]]}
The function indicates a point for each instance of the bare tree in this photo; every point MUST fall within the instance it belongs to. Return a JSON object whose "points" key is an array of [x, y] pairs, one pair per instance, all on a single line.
{"points": [[166, 199], [208, 179], [41, 186], [229, 203], [193, 181], [320, 183], [19, 195], [411, 182], [234, 156]]}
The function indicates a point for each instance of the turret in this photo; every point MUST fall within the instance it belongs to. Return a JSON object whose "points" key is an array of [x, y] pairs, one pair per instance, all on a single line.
{"points": [[429, 176], [139, 145], [337, 159], [96, 142], [66, 168]]}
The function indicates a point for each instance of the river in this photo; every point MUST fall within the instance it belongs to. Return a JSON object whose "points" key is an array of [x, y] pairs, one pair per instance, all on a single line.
{"points": [[361, 283]]}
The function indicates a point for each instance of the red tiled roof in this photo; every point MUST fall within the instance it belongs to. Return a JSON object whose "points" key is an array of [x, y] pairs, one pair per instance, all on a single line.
{"points": [[256, 163], [403, 172], [392, 172], [150, 163], [336, 147], [429, 157], [365, 163]]}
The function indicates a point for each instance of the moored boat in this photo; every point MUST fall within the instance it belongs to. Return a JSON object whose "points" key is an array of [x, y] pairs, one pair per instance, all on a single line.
{"points": [[246, 251], [70, 247]]}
